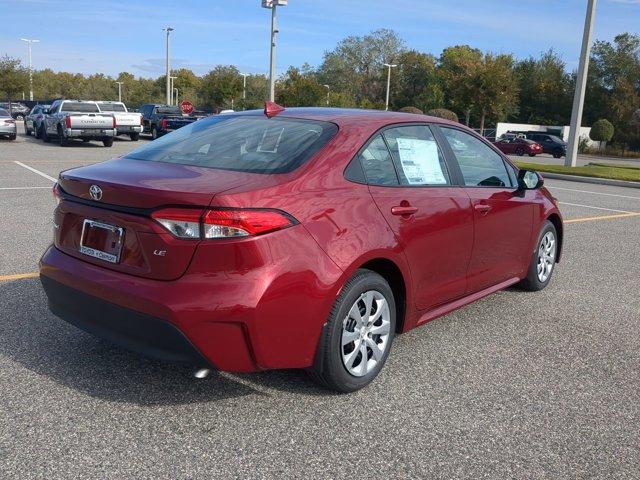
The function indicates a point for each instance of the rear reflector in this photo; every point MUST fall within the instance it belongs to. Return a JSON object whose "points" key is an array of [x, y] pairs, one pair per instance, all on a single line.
{"points": [[221, 223]]}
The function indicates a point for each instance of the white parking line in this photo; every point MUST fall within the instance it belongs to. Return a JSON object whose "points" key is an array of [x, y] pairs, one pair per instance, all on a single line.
{"points": [[592, 192], [38, 172], [595, 208], [23, 188]]}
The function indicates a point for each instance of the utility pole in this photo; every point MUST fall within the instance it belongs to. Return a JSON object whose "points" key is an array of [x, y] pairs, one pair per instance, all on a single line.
{"points": [[29, 42], [389, 66], [272, 4], [328, 90], [168, 65], [171, 89], [119, 91], [581, 87]]}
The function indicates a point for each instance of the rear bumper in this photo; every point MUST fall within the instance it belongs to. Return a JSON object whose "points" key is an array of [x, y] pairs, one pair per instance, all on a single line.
{"points": [[8, 129], [126, 129], [132, 330], [91, 133]]}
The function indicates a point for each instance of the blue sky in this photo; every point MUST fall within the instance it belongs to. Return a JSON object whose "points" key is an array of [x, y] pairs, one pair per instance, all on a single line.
{"points": [[109, 36]]}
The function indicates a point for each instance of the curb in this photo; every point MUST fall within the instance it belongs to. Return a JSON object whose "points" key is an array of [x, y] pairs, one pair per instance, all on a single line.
{"points": [[594, 180]]}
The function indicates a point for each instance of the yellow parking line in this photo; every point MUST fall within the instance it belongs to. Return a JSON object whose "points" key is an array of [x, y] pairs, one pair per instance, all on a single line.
{"points": [[18, 276], [602, 217]]}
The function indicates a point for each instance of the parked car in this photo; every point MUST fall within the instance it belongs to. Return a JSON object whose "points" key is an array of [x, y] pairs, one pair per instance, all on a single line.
{"points": [[518, 146], [294, 238], [161, 119], [18, 110], [34, 119], [127, 123], [551, 144], [7, 125], [68, 119]]}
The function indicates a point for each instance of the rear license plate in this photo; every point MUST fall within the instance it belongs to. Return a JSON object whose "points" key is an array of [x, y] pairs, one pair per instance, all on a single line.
{"points": [[101, 240]]}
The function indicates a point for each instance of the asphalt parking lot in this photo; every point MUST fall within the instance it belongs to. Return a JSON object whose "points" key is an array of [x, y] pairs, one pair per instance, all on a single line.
{"points": [[518, 385]]}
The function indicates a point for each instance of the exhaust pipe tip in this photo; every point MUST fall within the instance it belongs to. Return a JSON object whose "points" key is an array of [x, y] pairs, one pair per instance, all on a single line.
{"points": [[202, 373]]}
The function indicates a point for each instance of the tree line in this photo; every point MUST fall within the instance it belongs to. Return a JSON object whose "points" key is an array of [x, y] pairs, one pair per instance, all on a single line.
{"points": [[480, 88]]}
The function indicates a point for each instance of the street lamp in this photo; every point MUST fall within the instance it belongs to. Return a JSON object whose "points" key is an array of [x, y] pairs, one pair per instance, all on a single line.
{"points": [[29, 42], [244, 87], [168, 30], [176, 91], [581, 87], [328, 89], [119, 91], [171, 89], [389, 67], [272, 4]]}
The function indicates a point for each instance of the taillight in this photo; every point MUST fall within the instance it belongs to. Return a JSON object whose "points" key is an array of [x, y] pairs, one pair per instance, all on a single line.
{"points": [[114, 121], [221, 223], [67, 121], [163, 123], [56, 193], [141, 120]]}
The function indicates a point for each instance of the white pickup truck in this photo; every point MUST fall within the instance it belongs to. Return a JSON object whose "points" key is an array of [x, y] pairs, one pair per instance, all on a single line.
{"points": [[127, 123], [67, 119]]}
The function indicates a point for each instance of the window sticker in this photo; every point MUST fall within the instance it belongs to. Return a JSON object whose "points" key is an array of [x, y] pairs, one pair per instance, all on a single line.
{"points": [[420, 162]]}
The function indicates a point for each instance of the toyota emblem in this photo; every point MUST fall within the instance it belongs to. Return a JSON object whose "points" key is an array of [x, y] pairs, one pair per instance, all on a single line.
{"points": [[96, 192]]}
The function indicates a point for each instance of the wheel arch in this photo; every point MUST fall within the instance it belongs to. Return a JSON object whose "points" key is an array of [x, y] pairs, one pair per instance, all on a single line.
{"points": [[554, 218]]}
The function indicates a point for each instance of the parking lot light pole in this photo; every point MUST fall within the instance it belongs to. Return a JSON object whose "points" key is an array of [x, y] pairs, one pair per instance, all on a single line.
{"points": [[168, 72], [119, 91], [171, 89], [29, 43], [244, 86], [328, 90], [177, 92], [581, 87], [389, 67], [272, 4]]}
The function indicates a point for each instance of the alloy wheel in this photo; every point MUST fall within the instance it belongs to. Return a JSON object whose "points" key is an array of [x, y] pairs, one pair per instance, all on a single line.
{"points": [[365, 333], [546, 256]]}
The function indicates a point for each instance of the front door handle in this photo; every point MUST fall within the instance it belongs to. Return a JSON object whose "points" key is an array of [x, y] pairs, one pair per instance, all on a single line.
{"points": [[404, 210], [482, 208]]}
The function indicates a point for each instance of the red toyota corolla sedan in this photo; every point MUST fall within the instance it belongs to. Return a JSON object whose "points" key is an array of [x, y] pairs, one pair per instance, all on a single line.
{"points": [[519, 146], [299, 238]]}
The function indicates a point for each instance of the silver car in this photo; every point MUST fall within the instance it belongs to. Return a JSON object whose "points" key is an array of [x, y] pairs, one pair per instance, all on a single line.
{"points": [[7, 125]]}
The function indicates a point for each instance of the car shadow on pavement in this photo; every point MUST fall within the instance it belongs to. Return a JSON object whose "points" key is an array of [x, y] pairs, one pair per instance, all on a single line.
{"points": [[37, 340]]}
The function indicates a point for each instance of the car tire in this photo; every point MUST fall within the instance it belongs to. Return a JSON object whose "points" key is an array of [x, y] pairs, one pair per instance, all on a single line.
{"points": [[13, 137], [20, 117], [557, 155], [43, 134], [532, 154], [154, 133], [62, 139], [339, 366], [543, 259], [134, 136], [107, 142], [520, 152], [27, 131]]}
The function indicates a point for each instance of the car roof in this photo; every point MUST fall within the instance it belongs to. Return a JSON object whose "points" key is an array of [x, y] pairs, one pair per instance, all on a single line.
{"points": [[346, 116]]}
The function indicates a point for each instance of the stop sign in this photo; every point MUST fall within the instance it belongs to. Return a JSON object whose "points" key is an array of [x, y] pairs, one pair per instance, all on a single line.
{"points": [[187, 107]]}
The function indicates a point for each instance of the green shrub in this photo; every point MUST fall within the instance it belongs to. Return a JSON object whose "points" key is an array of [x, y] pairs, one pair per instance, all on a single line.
{"points": [[601, 131], [411, 110], [443, 113]]}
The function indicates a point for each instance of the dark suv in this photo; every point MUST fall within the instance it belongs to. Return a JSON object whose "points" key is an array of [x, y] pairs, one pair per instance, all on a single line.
{"points": [[550, 143]]}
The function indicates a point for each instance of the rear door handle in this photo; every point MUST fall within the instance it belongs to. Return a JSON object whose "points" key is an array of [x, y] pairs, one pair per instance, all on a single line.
{"points": [[404, 210], [484, 209]]}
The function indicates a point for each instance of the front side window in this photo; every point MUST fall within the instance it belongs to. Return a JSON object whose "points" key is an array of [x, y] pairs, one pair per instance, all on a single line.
{"points": [[253, 144], [416, 155], [377, 163], [480, 165]]}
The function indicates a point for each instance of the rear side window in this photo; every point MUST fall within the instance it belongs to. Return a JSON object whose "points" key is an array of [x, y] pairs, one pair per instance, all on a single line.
{"points": [[4, 113], [416, 155], [254, 144], [480, 165], [111, 107], [83, 107], [377, 163]]}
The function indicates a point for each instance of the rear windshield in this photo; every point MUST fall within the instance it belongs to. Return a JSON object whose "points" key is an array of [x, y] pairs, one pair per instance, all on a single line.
{"points": [[84, 107], [241, 143], [170, 110], [111, 107]]}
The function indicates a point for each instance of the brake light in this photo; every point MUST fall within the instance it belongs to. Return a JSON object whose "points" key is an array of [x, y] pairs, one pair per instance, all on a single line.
{"points": [[163, 123], [56, 193], [221, 223], [114, 121], [67, 121], [141, 120]]}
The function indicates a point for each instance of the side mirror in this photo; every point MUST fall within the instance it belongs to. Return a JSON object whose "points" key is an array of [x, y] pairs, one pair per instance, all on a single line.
{"points": [[529, 180]]}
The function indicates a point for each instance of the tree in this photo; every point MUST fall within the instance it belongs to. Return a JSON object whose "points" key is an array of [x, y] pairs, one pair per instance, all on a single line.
{"points": [[416, 82], [459, 70], [300, 88], [14, 78], [443, 113], [496, 90], [221, 87], [411, 110], [601, 131], [356, 65]]}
